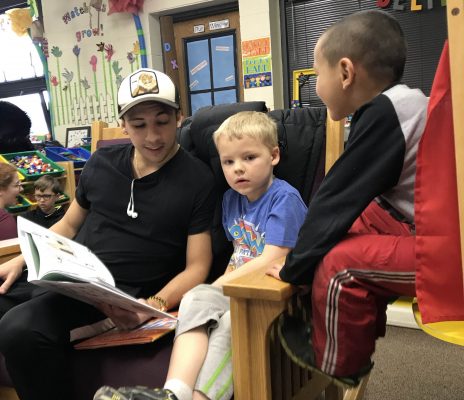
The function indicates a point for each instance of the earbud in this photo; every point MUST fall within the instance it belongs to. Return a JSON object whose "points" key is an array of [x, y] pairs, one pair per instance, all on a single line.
{"points": [[132, 214]]}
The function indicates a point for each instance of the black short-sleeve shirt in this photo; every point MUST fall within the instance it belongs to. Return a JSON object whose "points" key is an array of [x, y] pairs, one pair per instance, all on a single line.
{"points": [[174, 202]]}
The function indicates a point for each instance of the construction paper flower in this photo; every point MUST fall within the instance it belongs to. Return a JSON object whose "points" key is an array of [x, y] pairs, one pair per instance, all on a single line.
{"points": [[76, 50], [109, 52], [54, 80], [93, 62], [85, 83], [68, 75], [100, 46], [56, 51]]}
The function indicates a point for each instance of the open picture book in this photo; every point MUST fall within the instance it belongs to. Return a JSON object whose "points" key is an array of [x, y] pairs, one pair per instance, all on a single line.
{"points": [[64, 266], [148, 332]]}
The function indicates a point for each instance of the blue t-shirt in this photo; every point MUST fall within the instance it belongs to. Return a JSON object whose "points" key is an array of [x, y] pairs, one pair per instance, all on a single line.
{"points": [[275, 218]]}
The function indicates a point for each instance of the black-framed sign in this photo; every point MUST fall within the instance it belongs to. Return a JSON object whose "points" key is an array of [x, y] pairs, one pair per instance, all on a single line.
{"points": [[75, 135]]}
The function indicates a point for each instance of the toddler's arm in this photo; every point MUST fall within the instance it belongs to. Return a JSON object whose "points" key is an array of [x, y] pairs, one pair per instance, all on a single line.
{"points": [[270, 253]]}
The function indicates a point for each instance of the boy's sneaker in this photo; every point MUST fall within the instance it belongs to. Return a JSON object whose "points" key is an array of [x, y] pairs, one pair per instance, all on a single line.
{"points": [[133, 393], [295, 336]]}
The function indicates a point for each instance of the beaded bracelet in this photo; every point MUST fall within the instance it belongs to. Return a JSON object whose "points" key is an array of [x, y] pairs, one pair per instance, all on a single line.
{"points": [[162, 303]]}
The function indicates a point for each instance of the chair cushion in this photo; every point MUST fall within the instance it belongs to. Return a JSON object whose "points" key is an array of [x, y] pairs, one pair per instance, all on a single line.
{"points": [[302, 147]]}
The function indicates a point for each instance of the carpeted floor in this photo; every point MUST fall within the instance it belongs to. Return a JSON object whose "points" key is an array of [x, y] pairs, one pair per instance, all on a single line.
{"points": [[411, 365]]}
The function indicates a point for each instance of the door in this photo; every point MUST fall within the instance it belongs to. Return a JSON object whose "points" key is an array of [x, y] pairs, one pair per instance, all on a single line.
{"points": [[211, 69]]}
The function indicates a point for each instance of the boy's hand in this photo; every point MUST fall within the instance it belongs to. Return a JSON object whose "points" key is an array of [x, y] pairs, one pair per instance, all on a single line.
{"points": [[275, 268]]}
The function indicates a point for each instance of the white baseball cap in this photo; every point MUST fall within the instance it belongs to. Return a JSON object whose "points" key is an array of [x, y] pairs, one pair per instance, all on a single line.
{"points": [[146, 84]]}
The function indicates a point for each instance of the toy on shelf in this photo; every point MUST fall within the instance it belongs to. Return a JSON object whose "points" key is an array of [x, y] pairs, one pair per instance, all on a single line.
{"points": [[33, 164]]}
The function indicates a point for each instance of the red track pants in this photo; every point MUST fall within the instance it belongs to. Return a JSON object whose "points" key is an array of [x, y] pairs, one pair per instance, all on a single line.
{"points": [[352, 287]]}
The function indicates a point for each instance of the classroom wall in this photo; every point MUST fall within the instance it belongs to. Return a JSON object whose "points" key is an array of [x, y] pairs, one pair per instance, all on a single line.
{"points": [[89, 52]]}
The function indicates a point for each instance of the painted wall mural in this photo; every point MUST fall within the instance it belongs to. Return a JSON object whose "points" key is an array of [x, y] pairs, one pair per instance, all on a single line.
{"points": [[89, 50]]}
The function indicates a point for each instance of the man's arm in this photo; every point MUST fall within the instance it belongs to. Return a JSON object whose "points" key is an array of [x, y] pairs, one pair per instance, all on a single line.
{"points": [[198, 263], [270, 253], [68, 226]]}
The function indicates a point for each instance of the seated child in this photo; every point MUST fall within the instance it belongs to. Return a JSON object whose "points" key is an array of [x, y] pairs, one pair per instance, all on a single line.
{"points": [[356, 248], [47, 189], [262, 216]]}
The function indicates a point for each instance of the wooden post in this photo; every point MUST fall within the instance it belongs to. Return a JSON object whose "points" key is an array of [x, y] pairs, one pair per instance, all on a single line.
{"points": [[455, 16]]}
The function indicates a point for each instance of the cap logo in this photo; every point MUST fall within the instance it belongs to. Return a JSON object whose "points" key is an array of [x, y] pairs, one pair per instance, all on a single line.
{"points": [[143, 82]]}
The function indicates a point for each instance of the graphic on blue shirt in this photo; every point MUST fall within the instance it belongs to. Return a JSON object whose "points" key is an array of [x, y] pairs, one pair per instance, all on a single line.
{"points": [[248, 241]]}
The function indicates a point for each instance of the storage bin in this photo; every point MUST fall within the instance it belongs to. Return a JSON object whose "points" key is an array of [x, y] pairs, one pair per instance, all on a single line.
{"points": [[20, 175], [77, 155], [31, 163], [22, 205]]}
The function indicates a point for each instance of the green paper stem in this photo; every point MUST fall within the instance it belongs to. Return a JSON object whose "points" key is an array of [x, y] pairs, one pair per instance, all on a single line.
{"points": [[59, 86], [95, 84], [70, 101], [79, 77], [112, 85], [104, 74], [58, 114]]}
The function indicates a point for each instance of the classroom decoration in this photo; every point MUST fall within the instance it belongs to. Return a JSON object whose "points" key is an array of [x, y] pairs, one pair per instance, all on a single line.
{"points": [[143, 50], [136, 52], [93, 62], [257, 63], [77, 52], [20, 20], [58, 53], [75, 135], [401, 6], [438, 251], [129, 6], [109, 53], [101, 48], [71, 99], [131, 58]]}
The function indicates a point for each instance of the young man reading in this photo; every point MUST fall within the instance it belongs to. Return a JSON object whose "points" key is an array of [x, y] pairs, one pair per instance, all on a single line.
{"points": [[356, 247], [262, 216], [145, 210]]}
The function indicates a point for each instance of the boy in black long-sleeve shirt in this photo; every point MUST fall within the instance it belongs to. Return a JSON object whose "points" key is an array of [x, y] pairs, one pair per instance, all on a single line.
{"points": [[356, 247]]}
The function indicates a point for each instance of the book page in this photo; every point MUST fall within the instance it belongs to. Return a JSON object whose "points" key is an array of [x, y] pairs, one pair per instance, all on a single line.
{"points": [[96, 293], [51, 256]]}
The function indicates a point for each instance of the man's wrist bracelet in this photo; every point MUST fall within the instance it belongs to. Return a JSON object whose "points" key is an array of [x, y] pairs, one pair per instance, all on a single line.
{"points": [[161, 304]]}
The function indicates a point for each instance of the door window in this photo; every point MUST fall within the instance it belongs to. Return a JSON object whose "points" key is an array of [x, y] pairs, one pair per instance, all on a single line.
{"points": [[212, 71]]}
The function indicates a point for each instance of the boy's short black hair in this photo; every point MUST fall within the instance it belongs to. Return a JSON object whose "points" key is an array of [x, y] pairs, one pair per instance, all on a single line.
{"points": [[47, 182], [372, 38]]}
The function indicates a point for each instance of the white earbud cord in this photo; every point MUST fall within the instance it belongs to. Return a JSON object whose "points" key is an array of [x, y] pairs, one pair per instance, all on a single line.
{"points": [[131, 205]]}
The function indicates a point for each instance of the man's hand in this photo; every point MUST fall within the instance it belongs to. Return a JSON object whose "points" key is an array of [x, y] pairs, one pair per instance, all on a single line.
{"points": [[124, 319], [10, 272]]}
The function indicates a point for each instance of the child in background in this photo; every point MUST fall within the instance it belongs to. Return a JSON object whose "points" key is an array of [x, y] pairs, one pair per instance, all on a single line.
{"points": [[47, 190], [356, 248], [262, 216]]}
